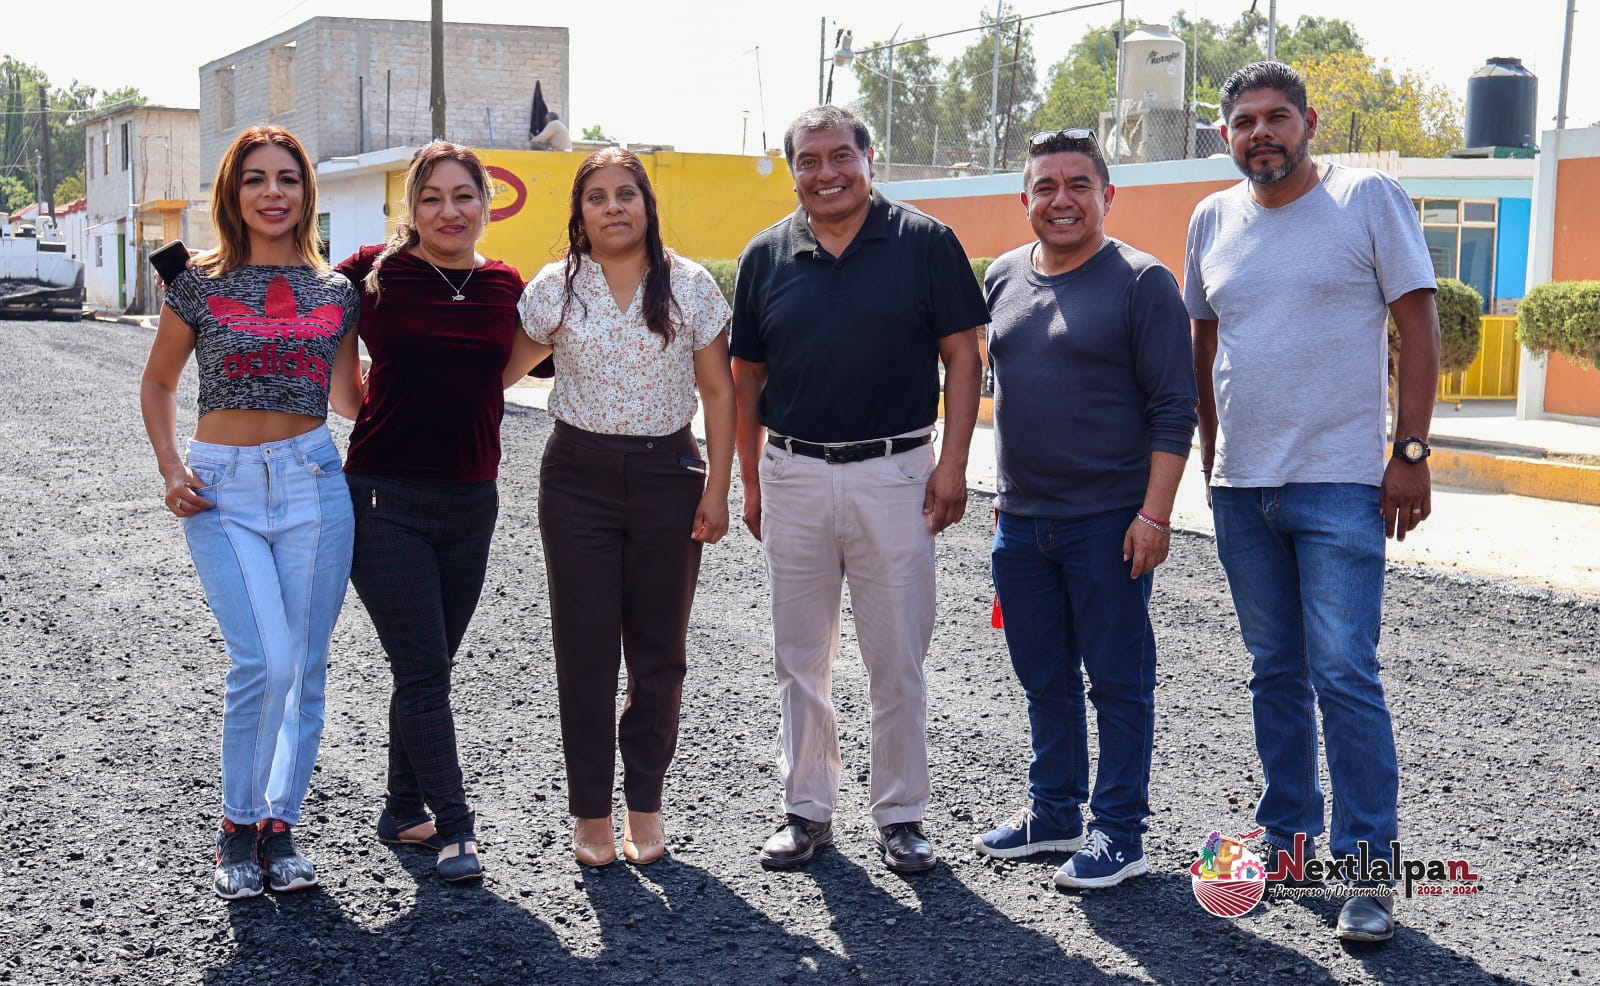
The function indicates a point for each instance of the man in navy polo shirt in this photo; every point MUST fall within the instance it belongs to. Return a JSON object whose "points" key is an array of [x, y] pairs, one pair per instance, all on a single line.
{"points": [[841, 317]]}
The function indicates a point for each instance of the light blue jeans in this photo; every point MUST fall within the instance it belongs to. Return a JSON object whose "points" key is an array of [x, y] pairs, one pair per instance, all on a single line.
{"points": [[1305, 565], [274, 558]]}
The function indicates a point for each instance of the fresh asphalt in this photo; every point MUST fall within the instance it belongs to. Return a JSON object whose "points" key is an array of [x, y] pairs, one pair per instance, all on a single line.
{"points": [[113, 674]]}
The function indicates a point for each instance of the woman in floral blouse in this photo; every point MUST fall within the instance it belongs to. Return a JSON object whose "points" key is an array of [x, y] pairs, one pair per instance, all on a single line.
{"points": [[625, 499]]}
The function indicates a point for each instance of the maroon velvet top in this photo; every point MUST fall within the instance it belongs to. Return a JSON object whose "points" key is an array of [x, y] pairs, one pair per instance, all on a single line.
{"points": [[434, 400]]}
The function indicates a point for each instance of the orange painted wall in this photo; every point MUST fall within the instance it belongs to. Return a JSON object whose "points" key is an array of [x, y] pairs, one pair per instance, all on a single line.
{"points": [[987, 225], [1575, 256], [1153, 218], [1571, 389]]}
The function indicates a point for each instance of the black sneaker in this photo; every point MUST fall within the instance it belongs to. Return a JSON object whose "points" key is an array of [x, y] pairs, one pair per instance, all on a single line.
{"points": [[286, 869], [238, 872]]}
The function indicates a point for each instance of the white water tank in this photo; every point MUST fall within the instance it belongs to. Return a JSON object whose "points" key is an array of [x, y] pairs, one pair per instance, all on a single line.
{"points": [[1153, 67]]}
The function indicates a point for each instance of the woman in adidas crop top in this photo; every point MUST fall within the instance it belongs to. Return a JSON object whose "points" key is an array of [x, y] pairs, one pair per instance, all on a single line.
{"points": [[440, 323], [261, 492]]}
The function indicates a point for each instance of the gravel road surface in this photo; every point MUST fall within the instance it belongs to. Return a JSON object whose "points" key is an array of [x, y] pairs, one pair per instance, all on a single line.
{"points": [[112, 672]]}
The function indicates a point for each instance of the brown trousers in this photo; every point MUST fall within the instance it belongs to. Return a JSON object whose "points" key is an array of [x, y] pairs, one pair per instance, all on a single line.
{"points": [[615, 514]]}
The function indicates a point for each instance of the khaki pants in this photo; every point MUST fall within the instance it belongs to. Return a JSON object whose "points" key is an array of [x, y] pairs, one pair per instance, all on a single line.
{"points": [[821, 524]]}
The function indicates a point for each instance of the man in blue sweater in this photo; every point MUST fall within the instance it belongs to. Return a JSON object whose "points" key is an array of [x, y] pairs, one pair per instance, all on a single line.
{"points": [[1094, 412]]}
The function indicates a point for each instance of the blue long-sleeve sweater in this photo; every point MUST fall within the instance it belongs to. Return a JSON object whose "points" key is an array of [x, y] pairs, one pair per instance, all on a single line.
{"points": [[1093, 370]]}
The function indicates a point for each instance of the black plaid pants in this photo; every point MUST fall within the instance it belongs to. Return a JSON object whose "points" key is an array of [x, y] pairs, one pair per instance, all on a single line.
{"points": [[421, 551]]}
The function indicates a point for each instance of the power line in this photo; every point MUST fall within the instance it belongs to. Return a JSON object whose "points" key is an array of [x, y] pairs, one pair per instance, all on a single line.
{"points": [[1002, 23]]}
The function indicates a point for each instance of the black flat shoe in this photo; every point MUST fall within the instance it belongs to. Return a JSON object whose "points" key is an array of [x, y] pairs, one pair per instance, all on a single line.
{"points": [[905, 849], [795, 842], [464, 865], [396, 831]]}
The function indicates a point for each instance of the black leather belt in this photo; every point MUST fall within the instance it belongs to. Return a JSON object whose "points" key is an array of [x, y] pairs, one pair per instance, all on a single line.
{"points": [[852, 452]]}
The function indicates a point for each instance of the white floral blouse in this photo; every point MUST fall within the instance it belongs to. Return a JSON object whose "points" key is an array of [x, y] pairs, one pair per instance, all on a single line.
{"points": [[612, 375]]}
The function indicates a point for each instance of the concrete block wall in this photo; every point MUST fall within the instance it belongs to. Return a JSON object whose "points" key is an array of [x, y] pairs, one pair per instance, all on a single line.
{"points": [[166, 154], [106, 191], [362, 84]]}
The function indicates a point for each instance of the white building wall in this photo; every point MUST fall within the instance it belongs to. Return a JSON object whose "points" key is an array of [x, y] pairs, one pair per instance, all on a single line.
{"points": [[354, 204], [100, 279], [70, 227], [157, 157]]}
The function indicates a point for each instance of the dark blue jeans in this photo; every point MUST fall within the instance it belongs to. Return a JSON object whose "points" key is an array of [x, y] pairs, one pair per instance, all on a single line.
{"points": [[1305, 566], [1071, 608]]}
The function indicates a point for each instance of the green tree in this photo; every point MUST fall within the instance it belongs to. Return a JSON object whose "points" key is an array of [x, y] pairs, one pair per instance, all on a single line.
{"points": [[1363, 105], [972, 82], [919, 105], [20, 130], [14, 193], [70, 189], [596, 132], [1082, 85], [1314, 37]]}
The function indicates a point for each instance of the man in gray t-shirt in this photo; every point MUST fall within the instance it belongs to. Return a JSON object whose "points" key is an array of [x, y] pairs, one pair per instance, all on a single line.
{"points": [[1289, 278]]}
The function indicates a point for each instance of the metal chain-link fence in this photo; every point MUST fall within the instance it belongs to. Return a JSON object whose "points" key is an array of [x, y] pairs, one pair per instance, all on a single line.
{"points": [[966, 101]]}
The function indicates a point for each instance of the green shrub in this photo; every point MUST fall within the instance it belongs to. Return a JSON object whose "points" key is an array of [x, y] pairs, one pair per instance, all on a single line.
{"points": [[1460, 324], [1562, 317], [724, 271], [980, 266], [1460, 309]]}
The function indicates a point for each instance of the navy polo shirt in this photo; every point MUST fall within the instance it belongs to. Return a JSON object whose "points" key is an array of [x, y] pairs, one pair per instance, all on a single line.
{"points": [[851, 343]]}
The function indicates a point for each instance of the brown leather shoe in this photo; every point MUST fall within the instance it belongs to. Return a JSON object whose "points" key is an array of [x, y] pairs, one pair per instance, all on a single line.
{"points": [[643, 841], [592, 841]]}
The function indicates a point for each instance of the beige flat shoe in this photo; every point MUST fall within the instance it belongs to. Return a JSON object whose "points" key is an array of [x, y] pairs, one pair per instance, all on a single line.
{"points": [[593, 842], [643, 841]]}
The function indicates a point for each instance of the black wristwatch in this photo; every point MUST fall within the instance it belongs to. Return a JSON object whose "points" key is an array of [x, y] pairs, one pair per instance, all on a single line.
{"points": [[1412, 449]]}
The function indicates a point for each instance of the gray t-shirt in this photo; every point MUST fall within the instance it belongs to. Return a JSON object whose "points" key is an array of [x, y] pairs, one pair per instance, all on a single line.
{"points": [[1300, 295]]}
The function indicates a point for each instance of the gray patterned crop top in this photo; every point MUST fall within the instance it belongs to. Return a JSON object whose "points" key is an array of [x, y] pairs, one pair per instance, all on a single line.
{"points": [[265, 337]]}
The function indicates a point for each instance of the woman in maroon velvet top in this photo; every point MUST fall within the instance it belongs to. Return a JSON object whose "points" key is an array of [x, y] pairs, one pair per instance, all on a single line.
{"points": [[441, 326]]}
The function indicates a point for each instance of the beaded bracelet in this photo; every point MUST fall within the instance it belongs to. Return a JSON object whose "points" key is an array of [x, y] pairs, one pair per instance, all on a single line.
{"points": [[1165, 527]]}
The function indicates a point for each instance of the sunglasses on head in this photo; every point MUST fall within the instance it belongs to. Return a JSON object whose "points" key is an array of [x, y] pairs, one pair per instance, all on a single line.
{"points": [[1047, 137]]}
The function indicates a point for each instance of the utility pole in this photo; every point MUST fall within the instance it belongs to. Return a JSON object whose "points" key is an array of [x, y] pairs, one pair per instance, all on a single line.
{"points": [[46, 188], [1116, 106], [1272, 31], [888, 137], [822, 56], [1566, 65], [994, 85], [437, 89]]}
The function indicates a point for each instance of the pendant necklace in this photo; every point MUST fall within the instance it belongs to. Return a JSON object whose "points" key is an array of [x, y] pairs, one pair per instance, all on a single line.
{"points": [[457, 292]]}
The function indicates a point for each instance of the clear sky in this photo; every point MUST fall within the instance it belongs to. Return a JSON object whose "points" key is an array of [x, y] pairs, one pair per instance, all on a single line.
{"points": [[685, 72]]}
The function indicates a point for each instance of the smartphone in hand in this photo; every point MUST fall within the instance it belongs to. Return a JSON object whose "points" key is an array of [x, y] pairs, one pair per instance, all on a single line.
{"points": [[170, 260]]}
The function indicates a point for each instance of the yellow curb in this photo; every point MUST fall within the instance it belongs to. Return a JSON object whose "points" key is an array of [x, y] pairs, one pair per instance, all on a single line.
{"points": [[1526, 477], [1539, 478], [985, 410]]}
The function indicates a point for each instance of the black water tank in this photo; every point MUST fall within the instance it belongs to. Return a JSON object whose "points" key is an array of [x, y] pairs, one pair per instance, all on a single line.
{"points": [[1502, 105]]}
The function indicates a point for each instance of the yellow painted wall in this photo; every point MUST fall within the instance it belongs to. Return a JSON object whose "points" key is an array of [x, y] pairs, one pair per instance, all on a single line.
{"points": [[711, 204]]}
